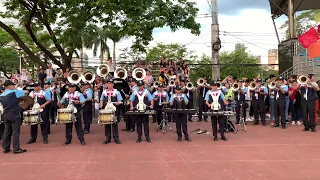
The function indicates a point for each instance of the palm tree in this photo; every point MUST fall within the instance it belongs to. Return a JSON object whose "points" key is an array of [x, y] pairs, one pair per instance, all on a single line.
{"points": [[95, 37], [116, 35]]}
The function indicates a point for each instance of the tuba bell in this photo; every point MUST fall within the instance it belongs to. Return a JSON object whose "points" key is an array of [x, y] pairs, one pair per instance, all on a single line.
{"points": [[235, 87], [252, 86], [88, 76], [171, 83], [139, 74], [74, 77], [201, 82], [120, 73], [303, 80], [103, 70], [189, 86]]}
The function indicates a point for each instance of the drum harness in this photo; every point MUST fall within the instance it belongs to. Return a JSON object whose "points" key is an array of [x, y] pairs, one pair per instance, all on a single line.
{"points": [[141, 106]]}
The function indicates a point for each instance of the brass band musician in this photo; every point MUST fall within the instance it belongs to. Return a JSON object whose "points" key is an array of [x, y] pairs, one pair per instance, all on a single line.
{"points": [[258, 95], [280, 96], [179, 101], [77, 100], [111, 95], [216, 101], [239, 97], [87, 108], [42, 97], [160, 96], [129, 119], [139, 100]]}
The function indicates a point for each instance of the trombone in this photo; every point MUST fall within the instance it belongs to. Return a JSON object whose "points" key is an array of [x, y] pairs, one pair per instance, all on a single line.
{"points": [[219, 86], [189, 86], [171, 83], [201, 82], [235, 87]]}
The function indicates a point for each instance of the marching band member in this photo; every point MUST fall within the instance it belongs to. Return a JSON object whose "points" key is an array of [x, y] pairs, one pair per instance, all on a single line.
{"points": [[160, 96], [54, 103], [170, 90], [189, 94], [43, 97], [77, 99], [11, 119], [87, 108], [216, 101], [178, 101], [141, 97], [258, 96], [202, 89], [280, 98], [1, 123], [239, 97], [46, 89], [129, 119], [308, 98], [111, 95], [152, 90]]}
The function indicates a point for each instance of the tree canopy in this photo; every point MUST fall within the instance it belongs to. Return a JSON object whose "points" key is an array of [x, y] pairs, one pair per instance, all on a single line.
{"points": [[62, 22]]}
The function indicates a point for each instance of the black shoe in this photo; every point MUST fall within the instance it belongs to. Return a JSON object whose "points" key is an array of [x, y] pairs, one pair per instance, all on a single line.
{"points": [[313, 130], [283, 126], [179, 139], [190, 120], [149, 140], [188, 139], [125, 129], [224, 138], [31, 141], [20, 151], [107, 141], [215, 138], [205, 120], [45, 141], [131, 130], [86, 132], [199, 120], [276, 125], [255, 123], [264, 124], [117, 142], [6, 151], [67, 142], [306, 129], [82, 142], [138, 140]]}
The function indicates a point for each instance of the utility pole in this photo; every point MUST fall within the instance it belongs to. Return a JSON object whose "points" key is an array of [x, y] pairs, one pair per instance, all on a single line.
{"points": [[215, 41]]}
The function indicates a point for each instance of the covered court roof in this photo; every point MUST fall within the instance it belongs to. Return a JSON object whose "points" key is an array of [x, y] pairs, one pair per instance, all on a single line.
{"points": [[280, 7]]}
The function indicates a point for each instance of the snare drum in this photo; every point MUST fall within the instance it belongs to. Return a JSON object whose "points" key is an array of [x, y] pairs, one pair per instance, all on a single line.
{"points": [[65, 115], [106, 117], [31, 117]]}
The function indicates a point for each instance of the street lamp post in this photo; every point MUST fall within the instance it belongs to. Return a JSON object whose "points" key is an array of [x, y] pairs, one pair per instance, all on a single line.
{"points": [[15, 45]]}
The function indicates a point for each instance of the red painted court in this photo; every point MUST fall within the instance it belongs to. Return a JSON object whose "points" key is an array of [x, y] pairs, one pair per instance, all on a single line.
{"points": [[261, 153]]}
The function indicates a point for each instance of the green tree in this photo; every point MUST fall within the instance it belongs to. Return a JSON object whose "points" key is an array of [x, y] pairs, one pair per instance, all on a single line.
{"points": [[170, 52], [116, 35], [201, 69], [302, 22], [64, 21], [231, 64]]}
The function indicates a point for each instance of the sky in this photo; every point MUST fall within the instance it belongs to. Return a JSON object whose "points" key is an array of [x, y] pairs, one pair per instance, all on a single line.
{"points": [[240, 21], [244, 21]]}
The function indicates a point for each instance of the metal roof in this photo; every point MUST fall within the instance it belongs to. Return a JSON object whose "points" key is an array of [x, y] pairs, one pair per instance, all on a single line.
{"points": [[299, 5]]}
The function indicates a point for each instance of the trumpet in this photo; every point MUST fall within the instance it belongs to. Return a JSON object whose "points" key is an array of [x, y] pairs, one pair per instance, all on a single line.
{"points": [[139, 74], [201, 82], [103, 70], [189, 86], [88, 76], [74, 77], [120, 73], [235, 87], [303, 80], [171, 83]]}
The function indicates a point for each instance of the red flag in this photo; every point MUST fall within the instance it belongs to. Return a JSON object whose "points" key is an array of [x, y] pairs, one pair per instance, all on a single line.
{"points": [[319, 28], [308, 37], [314, 50]]}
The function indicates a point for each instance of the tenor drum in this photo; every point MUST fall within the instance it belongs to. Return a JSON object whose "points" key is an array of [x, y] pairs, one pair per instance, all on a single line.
{"points": [[64, 115], [31, 117], [106, 117]]}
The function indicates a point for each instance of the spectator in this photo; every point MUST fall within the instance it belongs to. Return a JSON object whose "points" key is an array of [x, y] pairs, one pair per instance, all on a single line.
{"points": [[24, 75], [112, 66], [162, 68], [65, 74], [148, 79], [162, 62], [49, 73], [42, 75], [184, 65]]}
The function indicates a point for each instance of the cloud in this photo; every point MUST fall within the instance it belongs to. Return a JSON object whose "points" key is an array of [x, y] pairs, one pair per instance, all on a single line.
{"points": [[234, 7]]}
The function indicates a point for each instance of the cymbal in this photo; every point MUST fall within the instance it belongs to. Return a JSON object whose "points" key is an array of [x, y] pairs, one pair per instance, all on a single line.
{"points": [[26, 102]]}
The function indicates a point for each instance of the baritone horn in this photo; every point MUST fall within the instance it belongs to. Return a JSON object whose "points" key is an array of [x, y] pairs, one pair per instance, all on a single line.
{"points": [[235, 87], [103, 70], [139, 74], [219, 85], [120, 73], [189, 86], [74, 77], [201, 82], [303, 79], [88, 76]]}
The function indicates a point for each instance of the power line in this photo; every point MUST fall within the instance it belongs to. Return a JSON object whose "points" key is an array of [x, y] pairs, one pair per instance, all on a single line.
{"points": [[198, 38]]}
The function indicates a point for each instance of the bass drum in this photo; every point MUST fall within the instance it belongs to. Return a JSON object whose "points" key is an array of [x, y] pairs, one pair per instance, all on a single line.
{"points": [[64, 89], [122, 86], [29, 87]]}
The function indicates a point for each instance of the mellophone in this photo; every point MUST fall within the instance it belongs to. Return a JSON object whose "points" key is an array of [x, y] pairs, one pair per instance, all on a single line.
{"points": [[219, 113]]}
